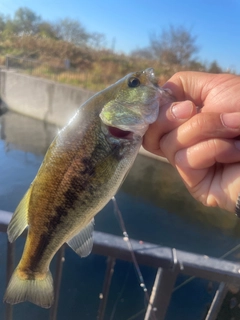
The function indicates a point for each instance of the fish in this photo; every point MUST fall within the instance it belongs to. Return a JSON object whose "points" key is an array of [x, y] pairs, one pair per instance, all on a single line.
{"points": [[82, 170]]}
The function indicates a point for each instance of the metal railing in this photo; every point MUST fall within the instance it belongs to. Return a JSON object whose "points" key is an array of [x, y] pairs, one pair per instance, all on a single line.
{"points": [[168, 261]]}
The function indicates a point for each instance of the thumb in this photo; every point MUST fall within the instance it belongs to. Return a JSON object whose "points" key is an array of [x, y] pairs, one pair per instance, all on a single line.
{"points": [[190, 85]]}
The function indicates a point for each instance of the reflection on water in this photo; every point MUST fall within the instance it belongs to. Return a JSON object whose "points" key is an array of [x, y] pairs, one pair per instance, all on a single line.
{"points": [[26, 134], [156, 208]]}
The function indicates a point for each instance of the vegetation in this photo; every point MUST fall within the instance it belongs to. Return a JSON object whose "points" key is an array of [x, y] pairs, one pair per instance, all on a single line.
{"points": [[66, 52]]}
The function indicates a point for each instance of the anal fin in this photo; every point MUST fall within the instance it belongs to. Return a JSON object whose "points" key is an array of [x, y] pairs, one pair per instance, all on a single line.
{"points": [[19, 219], [82, 243]]}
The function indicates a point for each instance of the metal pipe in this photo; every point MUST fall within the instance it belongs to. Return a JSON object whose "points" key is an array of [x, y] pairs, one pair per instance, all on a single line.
{"points": [[161, 294], [217, 302]]}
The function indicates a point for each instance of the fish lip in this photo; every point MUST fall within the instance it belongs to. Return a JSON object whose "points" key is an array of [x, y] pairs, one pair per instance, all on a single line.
{"points": [[149, 72], [151, 76]]}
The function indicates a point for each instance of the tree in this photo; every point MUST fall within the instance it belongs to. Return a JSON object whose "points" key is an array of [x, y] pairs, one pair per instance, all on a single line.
{"points": [[2, 23], [145, 53], [47, 30], [71, 31], [10, 27], [26, 21], [96, 40], [175, 45], [195, 65], [214, 68]]}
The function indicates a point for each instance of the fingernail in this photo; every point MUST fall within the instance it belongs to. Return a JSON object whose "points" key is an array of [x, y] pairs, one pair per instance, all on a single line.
{"points": [[182, 110], [231, 120]]}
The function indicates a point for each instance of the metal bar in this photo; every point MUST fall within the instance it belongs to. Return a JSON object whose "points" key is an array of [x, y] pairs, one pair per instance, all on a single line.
{"points": [[157, 256], [217, 302], [57, 282], [106, 286], [161, 294], [9, 271], [161, 257]]}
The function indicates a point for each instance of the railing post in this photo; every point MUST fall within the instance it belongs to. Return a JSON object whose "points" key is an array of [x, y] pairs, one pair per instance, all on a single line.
{"points": [[217, 302], [161, 294]]}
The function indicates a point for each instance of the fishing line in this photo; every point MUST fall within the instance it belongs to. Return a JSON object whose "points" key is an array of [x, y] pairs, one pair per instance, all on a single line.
{"points": [[120, 294], [136, 315], [130, 247]]}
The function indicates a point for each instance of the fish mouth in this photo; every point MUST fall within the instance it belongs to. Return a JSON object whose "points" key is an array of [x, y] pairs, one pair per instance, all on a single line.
{"points": [[150, 73], [119, 133], [151, 76]]}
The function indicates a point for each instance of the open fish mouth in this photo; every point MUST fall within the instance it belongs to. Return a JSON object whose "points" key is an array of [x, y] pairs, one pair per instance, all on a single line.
{"points": [[119, 133]]}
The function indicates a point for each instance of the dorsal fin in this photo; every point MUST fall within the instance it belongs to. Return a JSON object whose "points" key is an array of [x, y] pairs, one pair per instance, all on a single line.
{"points": [[19, 219], [82, 243]]}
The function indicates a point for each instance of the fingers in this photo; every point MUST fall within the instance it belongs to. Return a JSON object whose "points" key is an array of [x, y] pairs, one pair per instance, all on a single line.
{"points": [[211, 171], [202, 126], [214, 92], [204, 155], [204, 151], [189, 85], [169, 118]]}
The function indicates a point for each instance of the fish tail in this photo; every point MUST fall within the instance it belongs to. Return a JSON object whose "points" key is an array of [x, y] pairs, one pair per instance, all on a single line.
{"points": [[38, 290]]}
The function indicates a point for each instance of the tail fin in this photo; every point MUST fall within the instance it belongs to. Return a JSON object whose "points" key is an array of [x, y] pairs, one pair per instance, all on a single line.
{"points": [[37, 291]]}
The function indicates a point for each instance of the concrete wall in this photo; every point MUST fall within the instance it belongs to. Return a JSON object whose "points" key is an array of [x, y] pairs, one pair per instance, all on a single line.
{"points": [[39, 98]]}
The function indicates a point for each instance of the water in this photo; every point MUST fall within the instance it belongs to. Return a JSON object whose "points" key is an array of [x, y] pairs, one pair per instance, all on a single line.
{"points": [[156, 208]]}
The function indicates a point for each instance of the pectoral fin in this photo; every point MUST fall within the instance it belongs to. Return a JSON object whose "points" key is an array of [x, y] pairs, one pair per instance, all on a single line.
{"points": [[19, 219], [82, 243]]}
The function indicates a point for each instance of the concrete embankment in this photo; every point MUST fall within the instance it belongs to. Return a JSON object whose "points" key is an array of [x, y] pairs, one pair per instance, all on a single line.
{"points": [[40, 98]]}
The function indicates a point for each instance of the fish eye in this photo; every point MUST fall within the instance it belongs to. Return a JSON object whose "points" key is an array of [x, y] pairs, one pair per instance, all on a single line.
{"points": [[133, 82]]}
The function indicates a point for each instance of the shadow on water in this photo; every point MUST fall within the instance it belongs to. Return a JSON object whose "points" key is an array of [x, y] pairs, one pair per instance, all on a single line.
{"points": [[156, 207]]}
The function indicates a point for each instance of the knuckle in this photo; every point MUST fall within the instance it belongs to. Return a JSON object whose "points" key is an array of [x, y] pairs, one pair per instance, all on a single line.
{"points": [[198, 122]]}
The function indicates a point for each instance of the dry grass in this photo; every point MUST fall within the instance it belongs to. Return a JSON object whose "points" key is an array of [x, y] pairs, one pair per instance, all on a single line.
{"points": [[92, 69]]}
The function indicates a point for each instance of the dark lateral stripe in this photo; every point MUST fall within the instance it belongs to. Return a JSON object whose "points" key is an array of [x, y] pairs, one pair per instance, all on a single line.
{"points": [[79, 183]]}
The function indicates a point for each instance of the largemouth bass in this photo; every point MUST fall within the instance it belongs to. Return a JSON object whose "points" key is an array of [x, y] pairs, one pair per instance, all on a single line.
{"points": [[82, 170]]}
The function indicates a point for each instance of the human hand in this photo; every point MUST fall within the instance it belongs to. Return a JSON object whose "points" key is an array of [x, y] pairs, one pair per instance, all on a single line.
{"points": [[202, 146]]}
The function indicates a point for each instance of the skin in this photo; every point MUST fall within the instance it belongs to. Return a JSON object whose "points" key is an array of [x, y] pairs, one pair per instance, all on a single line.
{"points": [[202, 142]]}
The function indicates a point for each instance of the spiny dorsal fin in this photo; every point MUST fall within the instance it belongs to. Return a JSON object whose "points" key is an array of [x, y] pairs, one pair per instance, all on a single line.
{"points": [[19, 219], [82, 243]]}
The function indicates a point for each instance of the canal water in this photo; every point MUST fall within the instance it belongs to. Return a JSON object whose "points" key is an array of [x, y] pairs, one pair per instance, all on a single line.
{"points": [[156, 208]]}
